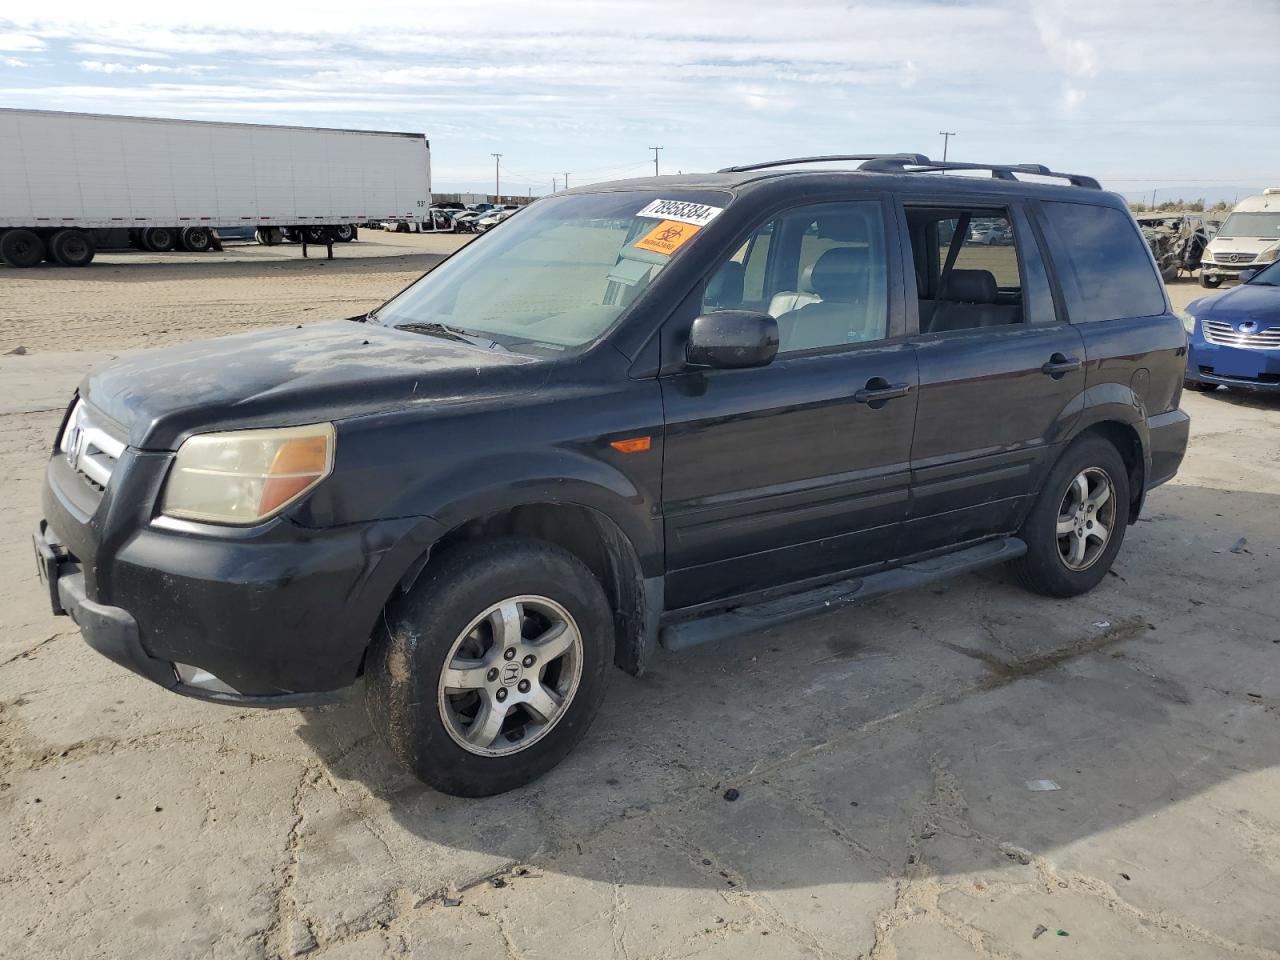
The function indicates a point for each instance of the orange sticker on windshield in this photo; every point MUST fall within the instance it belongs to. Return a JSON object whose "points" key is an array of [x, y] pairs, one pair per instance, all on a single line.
{"points": [[667, 237]]}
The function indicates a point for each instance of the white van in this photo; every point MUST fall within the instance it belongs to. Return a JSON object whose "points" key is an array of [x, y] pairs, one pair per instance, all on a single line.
{"points": [[1249, 238]]}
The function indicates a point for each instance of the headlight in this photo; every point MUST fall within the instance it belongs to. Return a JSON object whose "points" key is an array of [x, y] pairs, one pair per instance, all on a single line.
{"points": [[246, 476], [1188, 321], [1207, 256], [1268, 256]]}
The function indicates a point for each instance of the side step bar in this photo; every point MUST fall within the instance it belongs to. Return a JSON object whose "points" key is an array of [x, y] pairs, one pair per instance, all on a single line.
{"points": [[762, 616]]}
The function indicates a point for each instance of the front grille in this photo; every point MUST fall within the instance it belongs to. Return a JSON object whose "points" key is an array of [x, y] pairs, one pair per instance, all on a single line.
{"points": [[1233, 258], [90, 448], [1226, 335]]}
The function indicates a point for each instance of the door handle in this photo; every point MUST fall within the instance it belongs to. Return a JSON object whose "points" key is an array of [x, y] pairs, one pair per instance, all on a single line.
{"points": [[1059, 364], [878, 390]]}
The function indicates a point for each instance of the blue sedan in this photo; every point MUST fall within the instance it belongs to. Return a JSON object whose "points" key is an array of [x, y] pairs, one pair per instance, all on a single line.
{"points": [[1235, 336]]}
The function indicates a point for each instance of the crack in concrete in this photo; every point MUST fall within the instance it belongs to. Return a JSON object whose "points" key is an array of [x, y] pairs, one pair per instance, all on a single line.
{"points": [[26, 654]]}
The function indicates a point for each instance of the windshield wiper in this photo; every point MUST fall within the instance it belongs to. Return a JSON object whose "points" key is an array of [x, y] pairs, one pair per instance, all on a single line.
{"points": [[449, 333]]}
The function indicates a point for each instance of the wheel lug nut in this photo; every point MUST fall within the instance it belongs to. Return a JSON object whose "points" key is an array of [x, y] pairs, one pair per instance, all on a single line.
{"points": [[502, 694], [509, 653], [492, 675], [524, 686], [528, 661]]}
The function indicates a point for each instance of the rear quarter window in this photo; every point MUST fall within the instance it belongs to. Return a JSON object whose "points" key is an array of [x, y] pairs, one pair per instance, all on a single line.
{"points": [[1103, 262]]}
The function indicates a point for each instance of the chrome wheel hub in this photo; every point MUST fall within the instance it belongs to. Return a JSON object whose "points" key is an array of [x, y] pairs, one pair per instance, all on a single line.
{"points": [[510, 676], [1085, 519]]}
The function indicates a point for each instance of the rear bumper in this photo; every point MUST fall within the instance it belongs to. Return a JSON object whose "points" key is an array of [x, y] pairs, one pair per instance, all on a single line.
{"points": [[1168, 434]]}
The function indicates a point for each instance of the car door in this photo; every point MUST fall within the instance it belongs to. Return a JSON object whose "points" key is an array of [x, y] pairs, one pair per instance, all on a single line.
{"points": [[1001, 377], [797, 470]]}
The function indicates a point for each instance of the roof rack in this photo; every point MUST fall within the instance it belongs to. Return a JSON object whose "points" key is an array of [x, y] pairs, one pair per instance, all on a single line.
{"points": [[915, 159], [919, 163], [999, 171]]}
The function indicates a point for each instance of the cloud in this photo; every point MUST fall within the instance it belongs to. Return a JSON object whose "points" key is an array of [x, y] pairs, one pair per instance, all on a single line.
{"points": [[97, 66], [13, 62], [20, 42]]}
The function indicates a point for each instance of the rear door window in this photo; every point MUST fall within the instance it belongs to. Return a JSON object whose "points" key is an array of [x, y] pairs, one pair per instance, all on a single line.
{"points": [[1103, 262]]}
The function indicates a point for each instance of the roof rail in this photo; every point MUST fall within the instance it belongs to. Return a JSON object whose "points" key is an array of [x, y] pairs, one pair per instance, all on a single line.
{"points": [[904, 163], [913, 159]]}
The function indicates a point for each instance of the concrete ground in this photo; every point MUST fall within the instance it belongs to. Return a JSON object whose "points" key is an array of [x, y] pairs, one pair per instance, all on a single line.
{"points": [[888, 759]]}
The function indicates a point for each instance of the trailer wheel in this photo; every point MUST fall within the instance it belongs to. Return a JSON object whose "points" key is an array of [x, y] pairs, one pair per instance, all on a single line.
{"points": [[195, 239], [292, 235], [72, 248], [268, 236], [21, 248], [344, 233], [315, 234], [158, 239]]}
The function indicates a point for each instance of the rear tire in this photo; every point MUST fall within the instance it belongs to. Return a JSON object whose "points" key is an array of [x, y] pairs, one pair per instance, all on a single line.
{"points": [[72, 248], [158, 239], [1060, 521], [454, 615], [344, 233], [196, 239], [22, 248]]}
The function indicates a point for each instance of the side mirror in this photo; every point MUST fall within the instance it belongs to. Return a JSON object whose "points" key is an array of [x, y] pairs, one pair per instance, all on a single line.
{"points": [[732, 339], [1244, 276]]}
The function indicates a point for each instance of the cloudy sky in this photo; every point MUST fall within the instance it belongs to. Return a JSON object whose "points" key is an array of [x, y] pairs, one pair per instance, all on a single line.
{"points": [[1142, 93]]}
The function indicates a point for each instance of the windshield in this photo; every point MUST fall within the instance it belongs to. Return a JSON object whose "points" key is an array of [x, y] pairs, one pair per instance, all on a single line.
{"points": [[560, 274], [1251, 225], [1268, 276]]}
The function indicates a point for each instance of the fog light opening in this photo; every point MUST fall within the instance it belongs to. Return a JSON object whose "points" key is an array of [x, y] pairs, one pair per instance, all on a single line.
{"points": [[201, 679]]}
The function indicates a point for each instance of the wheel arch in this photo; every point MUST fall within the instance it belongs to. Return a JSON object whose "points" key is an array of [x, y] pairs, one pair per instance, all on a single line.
{"points": [[1130, 442], [592, 536]]}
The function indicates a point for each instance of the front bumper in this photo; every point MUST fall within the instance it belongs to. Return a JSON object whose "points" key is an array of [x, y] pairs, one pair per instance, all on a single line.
{"points": [[1229, 271], [114, 633], [278, 615], [1232, 366]]}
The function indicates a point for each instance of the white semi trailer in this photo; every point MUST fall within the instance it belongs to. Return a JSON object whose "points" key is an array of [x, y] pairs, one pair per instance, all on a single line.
{"points": [[73, 182]]}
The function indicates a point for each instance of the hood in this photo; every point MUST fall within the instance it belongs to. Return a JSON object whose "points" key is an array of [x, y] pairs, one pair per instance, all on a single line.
{"points": [[1240, 244], [1255, 301], [286, 377]]}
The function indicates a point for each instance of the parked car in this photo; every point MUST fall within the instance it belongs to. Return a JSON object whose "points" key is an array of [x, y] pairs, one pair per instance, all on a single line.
{"points": [[493, 218], [1235, 336], [1177, 242], [1248, 239], [640, 414]]}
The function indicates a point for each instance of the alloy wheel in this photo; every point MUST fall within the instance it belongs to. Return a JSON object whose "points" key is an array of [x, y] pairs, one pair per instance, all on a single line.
{"points": [[510, 676], [1086, 519]]}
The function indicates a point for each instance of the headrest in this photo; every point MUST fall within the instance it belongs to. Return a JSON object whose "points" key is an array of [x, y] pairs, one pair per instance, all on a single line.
{"points": [[844, 227], [725, 287], [840, 273], [970, 286]]}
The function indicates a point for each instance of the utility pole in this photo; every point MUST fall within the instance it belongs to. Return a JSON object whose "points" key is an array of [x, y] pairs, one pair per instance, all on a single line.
{"points": [[566, 181], [497, 184], [553, 184], [655, 159], [946, 136]]}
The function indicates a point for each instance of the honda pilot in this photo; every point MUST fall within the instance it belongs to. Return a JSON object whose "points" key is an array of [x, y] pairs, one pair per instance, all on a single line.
{"points": [[643, 414]]}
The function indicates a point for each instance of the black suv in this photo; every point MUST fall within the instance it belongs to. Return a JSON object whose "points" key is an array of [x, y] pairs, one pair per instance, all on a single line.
{"points": [[651, 412]]}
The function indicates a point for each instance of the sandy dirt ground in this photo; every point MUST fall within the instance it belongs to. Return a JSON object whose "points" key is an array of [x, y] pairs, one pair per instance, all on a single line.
{"points": [[882, 754]]}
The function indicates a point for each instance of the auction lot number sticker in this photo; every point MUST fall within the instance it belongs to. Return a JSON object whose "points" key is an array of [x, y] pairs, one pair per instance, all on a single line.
{"points": [[698, 214]]}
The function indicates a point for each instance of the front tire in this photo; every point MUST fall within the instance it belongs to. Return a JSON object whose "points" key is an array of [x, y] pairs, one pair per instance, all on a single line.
{"points": [[491, 668], [1210, 283], [1078, 522]]}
